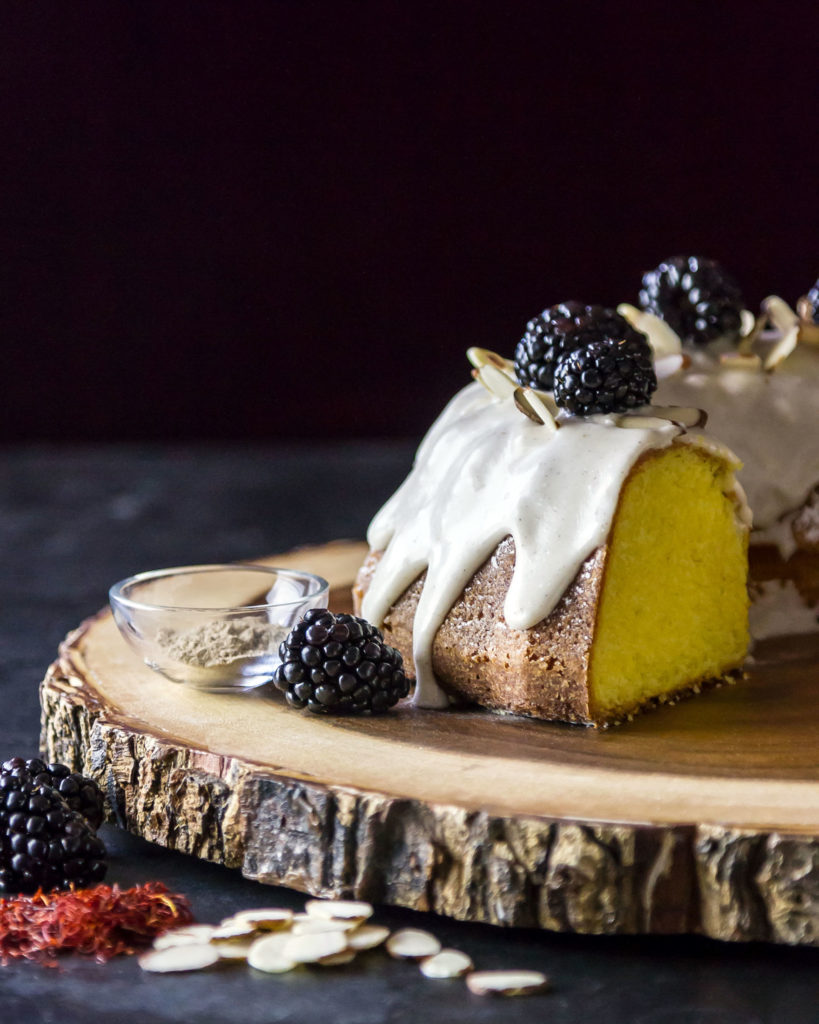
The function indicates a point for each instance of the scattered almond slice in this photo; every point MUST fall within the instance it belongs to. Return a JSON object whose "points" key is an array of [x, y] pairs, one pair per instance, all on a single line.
{"points": [[740, 361], [486, 357], [412, 944], [267, 954], [234, 950], [308, 949], [495, 381], [230, 929], [190, 935], [367, 936], [449, 963], [319, 925], [346, 910], [808, 329], [529, 403], [337, 959], [179, 958], [506, 983], [662, 339], [265, 919]]}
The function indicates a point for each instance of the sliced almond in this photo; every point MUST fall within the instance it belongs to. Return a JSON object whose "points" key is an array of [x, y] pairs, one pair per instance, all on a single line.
{"points": [[740, 361], [642, 422], [506, 983], [529, 403], [367, 936], [179, 958], [337, 959], [317, 925], [412, 944], [496, 382], [449, 963], [779, 313], [308, 949], [189, 935], [749, 338], [234, 950], [267, 954], [667, 366], [662, 339], [684, 415], [347, 910], [486, 357], [783, 348], [808, 330], [233, 930], [265, 919]]}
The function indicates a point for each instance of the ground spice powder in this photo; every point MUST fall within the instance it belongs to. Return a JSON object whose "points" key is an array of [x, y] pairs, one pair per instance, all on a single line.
{"points": [[103, 921]]}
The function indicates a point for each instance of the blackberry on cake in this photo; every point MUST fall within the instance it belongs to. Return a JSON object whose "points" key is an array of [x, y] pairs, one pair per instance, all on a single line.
{"points": [[608, 374], [559, 330], [696, 297], [339, 664], [44, 844]]}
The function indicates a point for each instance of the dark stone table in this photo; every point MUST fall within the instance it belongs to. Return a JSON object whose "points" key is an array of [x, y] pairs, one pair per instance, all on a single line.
{"points": [[74, 521]]}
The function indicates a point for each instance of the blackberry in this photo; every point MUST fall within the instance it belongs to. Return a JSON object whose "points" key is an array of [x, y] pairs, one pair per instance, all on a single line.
{"points": [[559, 330], [43, 843], [80, 793], [696, 297], [813, 300], [339, 664], [609, 374]]}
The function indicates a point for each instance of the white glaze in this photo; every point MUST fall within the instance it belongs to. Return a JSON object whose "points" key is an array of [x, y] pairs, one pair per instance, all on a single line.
{"points": [[485, 472]]}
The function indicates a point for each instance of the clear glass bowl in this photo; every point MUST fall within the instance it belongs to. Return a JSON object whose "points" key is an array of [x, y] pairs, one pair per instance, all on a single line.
{"points": [[214, 627]]}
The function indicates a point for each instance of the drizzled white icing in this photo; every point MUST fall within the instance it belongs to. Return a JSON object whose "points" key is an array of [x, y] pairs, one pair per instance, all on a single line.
{"points": [[485, 472], [771, 420]]}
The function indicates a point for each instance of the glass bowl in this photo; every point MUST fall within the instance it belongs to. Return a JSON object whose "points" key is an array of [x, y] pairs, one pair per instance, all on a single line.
{"points": [[214, 627]]}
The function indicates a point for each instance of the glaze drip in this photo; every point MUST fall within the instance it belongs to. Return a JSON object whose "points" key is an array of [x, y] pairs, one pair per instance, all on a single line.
{"points": [[485, 472]]}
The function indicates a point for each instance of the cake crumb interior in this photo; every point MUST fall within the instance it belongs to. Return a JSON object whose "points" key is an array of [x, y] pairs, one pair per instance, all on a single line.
{"points": [[674, 606]]}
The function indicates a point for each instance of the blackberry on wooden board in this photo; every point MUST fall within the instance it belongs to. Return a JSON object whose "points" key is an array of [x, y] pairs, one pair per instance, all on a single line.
{"points": [[698, 299], [339, 664], [43, 843]]}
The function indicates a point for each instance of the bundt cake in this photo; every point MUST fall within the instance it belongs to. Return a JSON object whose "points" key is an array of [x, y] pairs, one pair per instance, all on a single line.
{"points": [[572, 568], [760, 387]]}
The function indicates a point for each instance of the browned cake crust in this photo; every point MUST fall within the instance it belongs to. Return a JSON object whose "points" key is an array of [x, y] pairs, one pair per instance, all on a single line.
{"points": [[477, 657]]}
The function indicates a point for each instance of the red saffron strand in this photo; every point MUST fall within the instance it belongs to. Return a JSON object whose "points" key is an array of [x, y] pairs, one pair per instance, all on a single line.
{"points": [[103, 921]]}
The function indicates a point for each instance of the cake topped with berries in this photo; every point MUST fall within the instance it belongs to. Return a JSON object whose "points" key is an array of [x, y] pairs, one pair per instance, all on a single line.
{"points": [[566, 552], [758, 378]]}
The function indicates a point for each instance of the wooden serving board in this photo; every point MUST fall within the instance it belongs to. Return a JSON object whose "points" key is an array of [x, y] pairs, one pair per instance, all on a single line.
{"points": [[701, 818]]}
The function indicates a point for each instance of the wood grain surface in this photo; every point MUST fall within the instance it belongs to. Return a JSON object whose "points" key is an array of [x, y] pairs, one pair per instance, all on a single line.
{"points": [[702, 817]]}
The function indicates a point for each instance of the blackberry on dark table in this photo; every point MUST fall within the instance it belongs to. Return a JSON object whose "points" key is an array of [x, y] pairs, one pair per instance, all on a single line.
{"points": [[339, 664], [43, 843], [80, 793], [696, 297], [610, 374], [559, 330]]}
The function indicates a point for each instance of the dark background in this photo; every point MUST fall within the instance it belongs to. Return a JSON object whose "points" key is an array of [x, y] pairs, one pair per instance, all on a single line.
{"points": [[289, 219]]}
